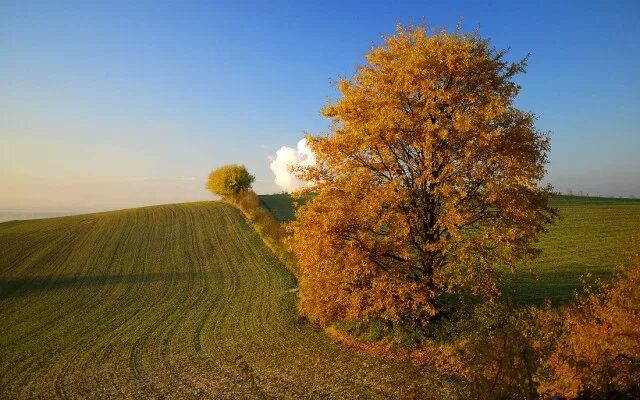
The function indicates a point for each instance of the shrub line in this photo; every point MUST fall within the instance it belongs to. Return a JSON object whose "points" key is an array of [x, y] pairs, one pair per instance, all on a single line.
{"points": [[265, 224]]}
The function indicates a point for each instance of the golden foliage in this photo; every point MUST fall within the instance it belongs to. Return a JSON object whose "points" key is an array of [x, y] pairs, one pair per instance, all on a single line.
{"points": [[428, 178], [229, 180], [597, 341]]}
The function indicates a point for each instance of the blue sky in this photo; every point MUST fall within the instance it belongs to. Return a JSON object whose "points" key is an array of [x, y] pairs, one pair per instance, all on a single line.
{"points": [[108, 104]]}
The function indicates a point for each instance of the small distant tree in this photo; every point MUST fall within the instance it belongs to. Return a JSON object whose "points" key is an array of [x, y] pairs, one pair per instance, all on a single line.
{"points": [[428, 180], [229, 180]]}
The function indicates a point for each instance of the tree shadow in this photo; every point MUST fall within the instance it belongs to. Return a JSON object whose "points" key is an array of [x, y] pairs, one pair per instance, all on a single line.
{"points": [[535, 287], [23, 286]]}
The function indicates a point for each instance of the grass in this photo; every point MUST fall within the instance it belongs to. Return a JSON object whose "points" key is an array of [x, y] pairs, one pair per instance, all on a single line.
{"points": [[178, 301], [184, 301], [592, 236], [280, 205]]}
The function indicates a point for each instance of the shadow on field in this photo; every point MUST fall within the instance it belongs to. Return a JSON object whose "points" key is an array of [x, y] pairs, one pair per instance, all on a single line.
{"points": [[558, 286], [23, 286]]}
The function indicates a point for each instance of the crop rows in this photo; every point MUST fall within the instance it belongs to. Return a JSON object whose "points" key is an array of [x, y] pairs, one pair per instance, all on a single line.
{"points": [[178, 301]]}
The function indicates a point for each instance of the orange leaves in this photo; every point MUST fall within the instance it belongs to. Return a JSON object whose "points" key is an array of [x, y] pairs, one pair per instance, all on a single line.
{"points": [[429, 177], [597, 343]]}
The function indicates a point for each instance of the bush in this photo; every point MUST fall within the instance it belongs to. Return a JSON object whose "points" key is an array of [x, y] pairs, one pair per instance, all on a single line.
{"points": [[271, 232], [596, 342], [489, 349]]}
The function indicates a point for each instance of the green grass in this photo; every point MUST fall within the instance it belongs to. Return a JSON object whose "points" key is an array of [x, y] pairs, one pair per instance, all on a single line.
{"points": [[280, 205], [593, 236], [177, 301]]}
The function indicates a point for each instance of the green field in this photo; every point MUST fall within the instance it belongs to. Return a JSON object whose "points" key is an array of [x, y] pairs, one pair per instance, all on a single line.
{"points": [[280, 205], [183, 301], [593, 235], [176, 301]]}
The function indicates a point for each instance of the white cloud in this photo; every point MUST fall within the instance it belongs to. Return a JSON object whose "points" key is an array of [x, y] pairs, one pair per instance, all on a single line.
{"points": [[287, 158]]}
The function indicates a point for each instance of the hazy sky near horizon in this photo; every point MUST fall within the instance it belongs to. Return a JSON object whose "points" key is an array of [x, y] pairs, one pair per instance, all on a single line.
{"points": [[117, 104]]}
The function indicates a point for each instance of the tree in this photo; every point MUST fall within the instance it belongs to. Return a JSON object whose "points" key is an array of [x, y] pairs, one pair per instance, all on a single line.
{"points": [[429, 178], [229, 180]]}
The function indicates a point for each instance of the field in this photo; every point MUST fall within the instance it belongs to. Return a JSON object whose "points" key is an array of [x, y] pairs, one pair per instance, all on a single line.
{"points": [[183, 301], [177, 301], [280, 205], [593, 235]]}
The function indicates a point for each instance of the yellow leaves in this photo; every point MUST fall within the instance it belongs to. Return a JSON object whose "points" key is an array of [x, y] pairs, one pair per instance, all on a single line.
{"points": [[229, 180], [414, 185], [597, 347]]}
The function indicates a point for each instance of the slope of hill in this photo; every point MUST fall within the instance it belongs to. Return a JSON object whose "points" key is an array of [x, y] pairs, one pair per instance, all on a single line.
{"points": [[178, 301], [280, 205], [592, 235]]}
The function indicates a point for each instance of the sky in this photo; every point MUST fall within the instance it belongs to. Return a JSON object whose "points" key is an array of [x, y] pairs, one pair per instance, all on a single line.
{"points": [[109, 105]]}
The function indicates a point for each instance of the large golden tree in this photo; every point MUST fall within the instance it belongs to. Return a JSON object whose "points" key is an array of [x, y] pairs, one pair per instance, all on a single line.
{"points": [[428, 180]]}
